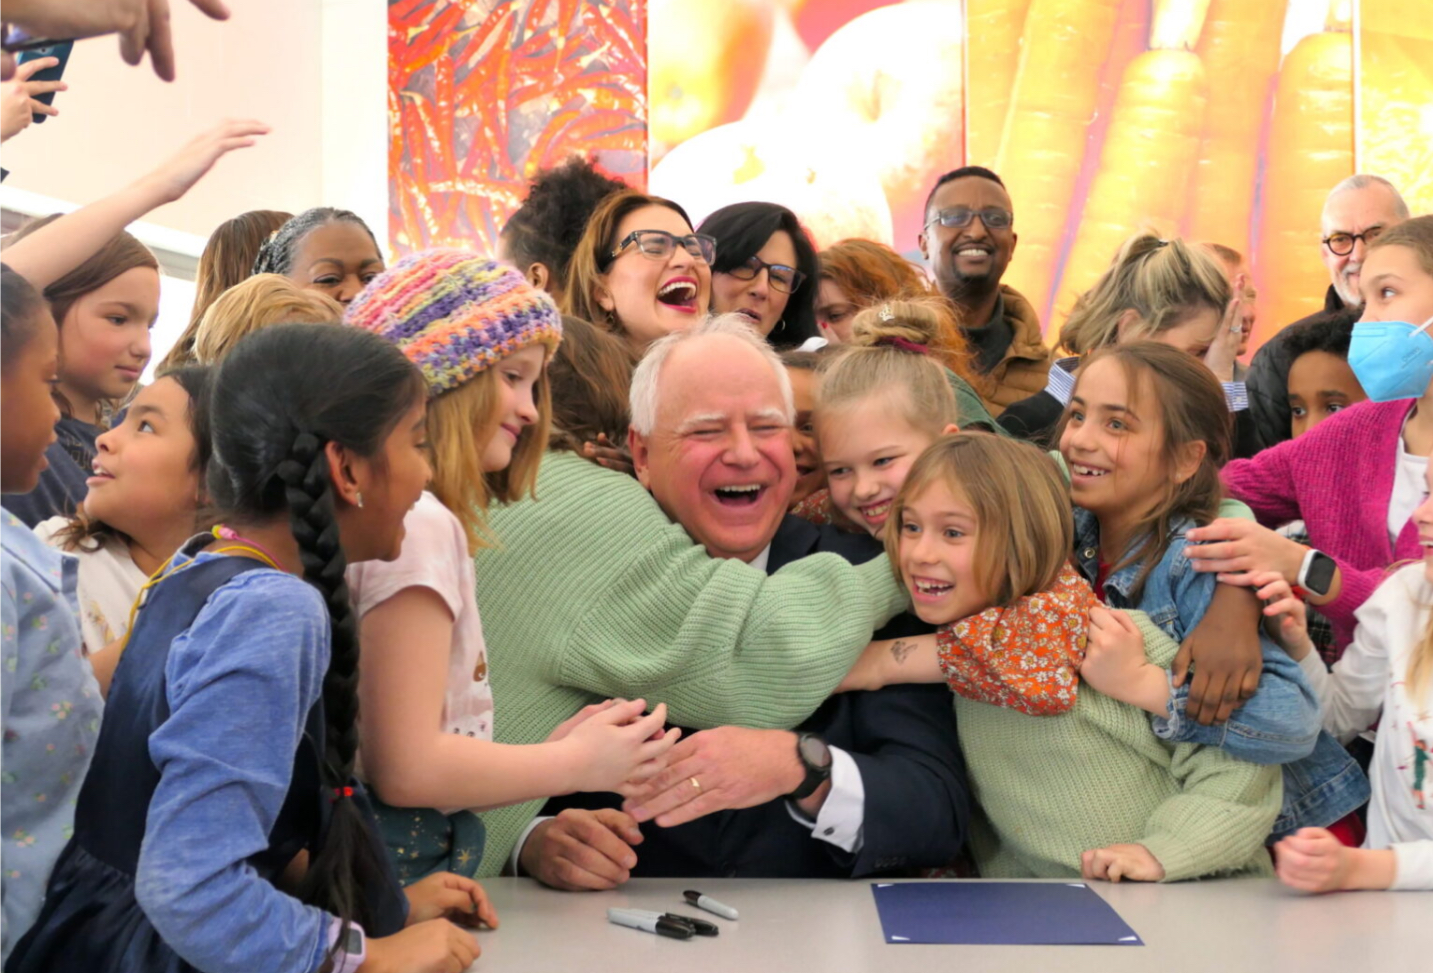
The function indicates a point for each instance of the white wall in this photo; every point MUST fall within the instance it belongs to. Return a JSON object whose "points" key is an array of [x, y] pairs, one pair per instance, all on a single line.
{"points": [[314, 70]]}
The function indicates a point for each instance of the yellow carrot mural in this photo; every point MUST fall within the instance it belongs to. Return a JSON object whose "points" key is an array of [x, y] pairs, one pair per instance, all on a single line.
{"points": [[1150, 150], [1042, 146], [1395, 96], [994, 28], [1310, 149], [1240, 50]]}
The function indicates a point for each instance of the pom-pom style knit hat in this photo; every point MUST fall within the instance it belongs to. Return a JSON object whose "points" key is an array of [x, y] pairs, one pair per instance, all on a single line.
{"points": [[455, 314]]}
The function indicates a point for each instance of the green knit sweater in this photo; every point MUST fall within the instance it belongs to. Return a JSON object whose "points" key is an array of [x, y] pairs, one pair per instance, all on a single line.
{"points": [[593, 592], [1054, 786]]}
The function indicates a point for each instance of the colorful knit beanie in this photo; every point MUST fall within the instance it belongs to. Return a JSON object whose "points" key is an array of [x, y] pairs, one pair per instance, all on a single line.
{"points": [[455, 313]]}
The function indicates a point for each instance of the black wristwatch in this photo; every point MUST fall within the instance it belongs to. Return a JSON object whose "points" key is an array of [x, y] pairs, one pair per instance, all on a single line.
{"points": [[815, 758], [1316, 573]]}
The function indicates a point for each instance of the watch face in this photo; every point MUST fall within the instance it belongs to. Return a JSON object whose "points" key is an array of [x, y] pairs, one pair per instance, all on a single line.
{"points": [[353, 942], [814, 751], [1320, 574]]}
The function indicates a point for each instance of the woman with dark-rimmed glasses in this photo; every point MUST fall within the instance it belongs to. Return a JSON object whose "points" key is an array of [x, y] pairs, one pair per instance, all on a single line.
{"points": [[765, 270], [639, 270]]}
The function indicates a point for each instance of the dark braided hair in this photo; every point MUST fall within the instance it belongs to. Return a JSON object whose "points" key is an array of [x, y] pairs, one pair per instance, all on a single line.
{"points": [[276, 256], [280, 397]]}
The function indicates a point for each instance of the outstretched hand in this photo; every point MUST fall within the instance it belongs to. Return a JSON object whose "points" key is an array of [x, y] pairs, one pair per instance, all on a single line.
{"points": [[178, 174]]}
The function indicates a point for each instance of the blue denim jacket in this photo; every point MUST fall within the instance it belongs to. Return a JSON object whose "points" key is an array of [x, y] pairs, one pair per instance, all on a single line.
{"points": [[1280, 724]]}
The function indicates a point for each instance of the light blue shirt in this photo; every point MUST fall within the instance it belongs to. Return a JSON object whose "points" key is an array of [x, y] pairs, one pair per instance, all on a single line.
{"points": [[240, 683], [52, 710]]}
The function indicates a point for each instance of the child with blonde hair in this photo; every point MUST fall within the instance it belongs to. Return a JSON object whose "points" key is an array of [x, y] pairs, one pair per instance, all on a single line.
{"points": [[255, 303], [1086, 789], [483, 337], [880, 401]]}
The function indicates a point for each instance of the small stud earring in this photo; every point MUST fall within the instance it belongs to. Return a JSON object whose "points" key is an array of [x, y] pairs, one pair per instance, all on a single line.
{"points": [[360, 500]]}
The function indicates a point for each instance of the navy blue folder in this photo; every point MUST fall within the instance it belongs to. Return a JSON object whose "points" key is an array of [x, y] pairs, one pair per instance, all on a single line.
{"points": [[999, 913]]}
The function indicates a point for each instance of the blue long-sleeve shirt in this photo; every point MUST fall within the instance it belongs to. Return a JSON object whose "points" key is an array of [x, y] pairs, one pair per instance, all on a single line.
{"points": [[241, 681], [51, 709]]}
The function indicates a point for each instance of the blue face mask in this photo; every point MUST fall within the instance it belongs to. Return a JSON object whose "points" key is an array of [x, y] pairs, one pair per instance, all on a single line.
{"points": [[1392, 359]]}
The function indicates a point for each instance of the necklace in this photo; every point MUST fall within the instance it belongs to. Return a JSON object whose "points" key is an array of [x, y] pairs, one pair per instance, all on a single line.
{"points": [[220, 532], [224, 533]]}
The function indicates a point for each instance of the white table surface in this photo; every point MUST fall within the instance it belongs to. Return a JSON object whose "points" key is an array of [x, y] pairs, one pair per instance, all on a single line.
{"points": [[819, 926]]}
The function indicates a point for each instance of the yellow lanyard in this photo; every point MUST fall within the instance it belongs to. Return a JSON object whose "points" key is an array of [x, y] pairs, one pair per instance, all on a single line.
{"points": [[165, 571]]}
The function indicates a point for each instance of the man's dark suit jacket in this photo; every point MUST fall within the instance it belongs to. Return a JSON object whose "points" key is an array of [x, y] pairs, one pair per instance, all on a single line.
{"points": [[903, 740]]}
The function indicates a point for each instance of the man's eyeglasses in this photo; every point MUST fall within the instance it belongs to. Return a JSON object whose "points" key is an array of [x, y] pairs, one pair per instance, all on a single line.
{"points": [[659, 244], [1341, 244], [993, 217], [783, 278]]}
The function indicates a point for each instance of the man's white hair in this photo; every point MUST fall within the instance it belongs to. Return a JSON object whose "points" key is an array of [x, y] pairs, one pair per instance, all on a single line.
{"points": [[646, 379], [1363, 180]]}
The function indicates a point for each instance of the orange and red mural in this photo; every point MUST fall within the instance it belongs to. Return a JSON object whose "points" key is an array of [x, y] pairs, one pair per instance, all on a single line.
{"points": [[483, 93], [1226, 121]]}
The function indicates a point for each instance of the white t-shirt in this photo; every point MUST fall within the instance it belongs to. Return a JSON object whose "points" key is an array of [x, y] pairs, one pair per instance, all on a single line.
{"points": [[1372, 677], [109, 582], [435, 556], [1409, 487]]}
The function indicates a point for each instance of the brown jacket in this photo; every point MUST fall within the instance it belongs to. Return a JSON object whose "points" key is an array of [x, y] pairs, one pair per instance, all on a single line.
{"points": [[1021, 373]]}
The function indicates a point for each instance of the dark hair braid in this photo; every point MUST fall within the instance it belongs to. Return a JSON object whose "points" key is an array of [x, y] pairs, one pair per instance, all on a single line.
{"points": [[332, 880], [280, 397], [276, 255]]}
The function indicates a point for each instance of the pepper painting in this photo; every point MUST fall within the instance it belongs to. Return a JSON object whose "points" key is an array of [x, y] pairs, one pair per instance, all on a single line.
{"points": [[483, 93]]}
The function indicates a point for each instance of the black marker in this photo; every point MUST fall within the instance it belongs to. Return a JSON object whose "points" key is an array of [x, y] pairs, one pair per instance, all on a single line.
{"points": [[699, 926], [661, 925], [709, 904]]}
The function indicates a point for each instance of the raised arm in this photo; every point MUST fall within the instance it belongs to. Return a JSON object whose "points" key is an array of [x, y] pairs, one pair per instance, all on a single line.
{"points": [[54, 250]]}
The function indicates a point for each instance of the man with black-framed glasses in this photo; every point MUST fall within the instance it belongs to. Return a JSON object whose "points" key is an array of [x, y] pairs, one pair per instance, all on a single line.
{"points": [[1356, 211], [968, 239]]}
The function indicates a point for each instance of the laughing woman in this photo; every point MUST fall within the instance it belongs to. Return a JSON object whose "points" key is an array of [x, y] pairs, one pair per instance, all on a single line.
{"points": [[639, 270], [765, 270]]}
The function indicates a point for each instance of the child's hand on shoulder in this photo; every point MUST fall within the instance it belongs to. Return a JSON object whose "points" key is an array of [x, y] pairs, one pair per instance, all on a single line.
{"points": [[444, 895], [1116, 862], [1115, 664], [1286, 616]]}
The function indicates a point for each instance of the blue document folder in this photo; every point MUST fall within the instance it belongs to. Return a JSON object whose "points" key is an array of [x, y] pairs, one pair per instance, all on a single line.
{"points": [[999, 913]]}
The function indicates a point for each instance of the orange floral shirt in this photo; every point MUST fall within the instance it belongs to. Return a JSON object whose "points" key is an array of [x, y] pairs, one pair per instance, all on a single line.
{"points": [[1025, 657]]}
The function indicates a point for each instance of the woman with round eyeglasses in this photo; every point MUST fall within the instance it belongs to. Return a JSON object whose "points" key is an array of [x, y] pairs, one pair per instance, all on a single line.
{"points": [[765, 270], [639, 270]]}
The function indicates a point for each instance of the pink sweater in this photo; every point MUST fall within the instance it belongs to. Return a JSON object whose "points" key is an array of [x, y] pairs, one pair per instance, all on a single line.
{"points": [[1339, 480]]}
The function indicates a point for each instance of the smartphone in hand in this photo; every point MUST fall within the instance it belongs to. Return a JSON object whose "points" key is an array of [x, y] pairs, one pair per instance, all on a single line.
{"points": [[60, 50]]}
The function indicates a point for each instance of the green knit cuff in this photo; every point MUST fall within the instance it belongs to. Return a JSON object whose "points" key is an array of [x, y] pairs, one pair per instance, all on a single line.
{"points": [[1179, 859]]}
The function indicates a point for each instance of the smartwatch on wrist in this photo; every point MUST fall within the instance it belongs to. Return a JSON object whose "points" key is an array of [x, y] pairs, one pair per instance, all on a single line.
{"points": [[1316, 573], [815, 757], [351, 947]]}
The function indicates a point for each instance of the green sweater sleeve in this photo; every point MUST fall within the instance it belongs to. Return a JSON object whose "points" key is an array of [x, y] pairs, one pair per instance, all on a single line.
{"points": [[1219, 820], [1225, 807], [594, 589], [721, 642]]}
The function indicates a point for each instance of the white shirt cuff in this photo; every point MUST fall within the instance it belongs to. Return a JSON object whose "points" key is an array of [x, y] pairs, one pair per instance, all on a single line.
{"points": [[1413, 865], [522, 841], [1060, 379], [843, 815], [1237, 395]]}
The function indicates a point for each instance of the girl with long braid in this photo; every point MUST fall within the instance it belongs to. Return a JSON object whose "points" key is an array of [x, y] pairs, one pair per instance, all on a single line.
{"points": [[323, 249], [223, 776]]}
